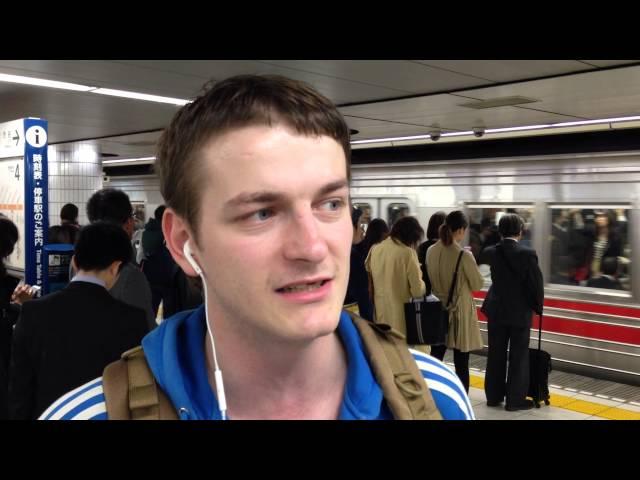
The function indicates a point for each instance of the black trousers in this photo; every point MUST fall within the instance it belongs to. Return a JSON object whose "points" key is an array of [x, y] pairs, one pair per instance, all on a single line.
{"points": [[516, 339], [460, 360]]}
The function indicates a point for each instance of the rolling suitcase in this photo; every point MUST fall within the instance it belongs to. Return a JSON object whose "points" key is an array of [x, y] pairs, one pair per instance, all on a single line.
{"points": [[539, 368]]}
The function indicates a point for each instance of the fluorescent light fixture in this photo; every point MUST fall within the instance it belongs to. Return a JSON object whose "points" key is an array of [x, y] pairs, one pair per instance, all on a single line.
{"points": [[140, 96], [516, 129], [507, 129], [127, 160], [499, 205], [457, 134], [40, 82], [599, 206], [601, 120], [390, 139]]}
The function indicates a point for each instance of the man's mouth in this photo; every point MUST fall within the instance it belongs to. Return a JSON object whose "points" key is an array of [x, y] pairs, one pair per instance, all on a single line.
{"points": [[302, 287]]}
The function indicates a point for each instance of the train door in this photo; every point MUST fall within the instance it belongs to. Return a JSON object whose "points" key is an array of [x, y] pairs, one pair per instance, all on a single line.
{"points": [[394, 209], [390, 208]]}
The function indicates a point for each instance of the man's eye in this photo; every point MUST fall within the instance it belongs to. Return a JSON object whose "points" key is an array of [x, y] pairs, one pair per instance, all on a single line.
{"points": [[334, 205], [262, 215]]}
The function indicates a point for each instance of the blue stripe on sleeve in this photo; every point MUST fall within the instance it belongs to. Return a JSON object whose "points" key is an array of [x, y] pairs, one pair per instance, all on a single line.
{"points": [[91, 401], [443, 401], [89, 386]]}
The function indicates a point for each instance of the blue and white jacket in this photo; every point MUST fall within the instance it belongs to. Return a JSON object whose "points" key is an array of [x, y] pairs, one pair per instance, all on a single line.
{"points": [[175, 353]]}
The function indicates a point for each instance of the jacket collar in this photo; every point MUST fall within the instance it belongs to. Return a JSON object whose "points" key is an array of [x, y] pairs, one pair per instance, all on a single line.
{"points": [[175, 353]]}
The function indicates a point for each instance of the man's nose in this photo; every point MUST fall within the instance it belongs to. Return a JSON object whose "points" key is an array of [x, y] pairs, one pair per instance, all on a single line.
{"points": [[304, 239]]}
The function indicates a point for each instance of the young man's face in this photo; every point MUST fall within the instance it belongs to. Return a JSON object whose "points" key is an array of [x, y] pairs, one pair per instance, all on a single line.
{"points": [[275, 232]]}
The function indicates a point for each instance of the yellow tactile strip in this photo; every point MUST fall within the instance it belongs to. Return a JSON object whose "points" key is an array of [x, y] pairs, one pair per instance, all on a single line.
{"points": [[577, 405]]}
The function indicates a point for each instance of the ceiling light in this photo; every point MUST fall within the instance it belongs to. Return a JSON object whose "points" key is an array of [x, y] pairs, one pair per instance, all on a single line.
{"points": [[140, 96], [517, 129], [601, 120], [548, 126], [41, 82], [128, 160]]}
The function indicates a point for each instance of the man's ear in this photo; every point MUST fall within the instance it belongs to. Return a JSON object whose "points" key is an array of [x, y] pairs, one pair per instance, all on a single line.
{"points": [[114, 268], [176, 234], [74, 265]]}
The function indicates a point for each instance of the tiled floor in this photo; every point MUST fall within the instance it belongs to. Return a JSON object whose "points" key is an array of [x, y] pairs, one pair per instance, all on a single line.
{"points": [[573, 398]]}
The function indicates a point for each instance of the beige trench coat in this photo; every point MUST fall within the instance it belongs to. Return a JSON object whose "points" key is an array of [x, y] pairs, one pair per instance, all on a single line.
{"points": [[397, 278], [464, 330]]}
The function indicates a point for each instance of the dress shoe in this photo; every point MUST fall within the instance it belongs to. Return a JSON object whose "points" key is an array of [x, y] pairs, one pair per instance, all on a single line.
{"points": [[493, 404], [527, 405]]}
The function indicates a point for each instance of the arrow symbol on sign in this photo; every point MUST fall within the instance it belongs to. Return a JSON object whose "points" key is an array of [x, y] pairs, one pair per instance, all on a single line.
{"points": [[16, 137]]}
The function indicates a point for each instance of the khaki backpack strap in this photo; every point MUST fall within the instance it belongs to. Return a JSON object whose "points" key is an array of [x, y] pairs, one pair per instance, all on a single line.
{"points": [[115, 385], [395, 369], [131, 392]]}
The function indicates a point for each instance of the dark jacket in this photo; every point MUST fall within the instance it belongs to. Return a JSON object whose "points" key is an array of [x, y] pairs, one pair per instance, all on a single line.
{"points": [[184, 294], [8, 316], [422, 258], [152, 237], [517, 287], [64, 340], [133, 289], [358, 286], [66, 233]]}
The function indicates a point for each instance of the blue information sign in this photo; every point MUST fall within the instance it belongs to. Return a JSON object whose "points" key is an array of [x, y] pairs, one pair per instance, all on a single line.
{"points": [[36, 199]]}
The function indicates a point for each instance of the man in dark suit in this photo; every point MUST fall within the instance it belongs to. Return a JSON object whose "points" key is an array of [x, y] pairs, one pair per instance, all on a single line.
{"points": [[516, 292], [65, 339], [113, 205]]}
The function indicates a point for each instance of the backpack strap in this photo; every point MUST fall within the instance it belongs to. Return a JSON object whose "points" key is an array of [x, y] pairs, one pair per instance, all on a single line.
{"points": [[131, 392], [403, 386]]}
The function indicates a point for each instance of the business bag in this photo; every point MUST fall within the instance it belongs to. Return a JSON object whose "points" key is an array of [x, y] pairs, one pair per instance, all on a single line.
{"points": [[428, 321]]}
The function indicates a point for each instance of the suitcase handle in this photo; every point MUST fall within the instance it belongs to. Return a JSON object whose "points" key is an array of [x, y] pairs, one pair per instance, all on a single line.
{"points": [[539, 332]]}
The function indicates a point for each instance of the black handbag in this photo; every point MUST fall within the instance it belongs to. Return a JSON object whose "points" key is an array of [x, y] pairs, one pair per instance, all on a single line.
{"points": [[428, 322]]}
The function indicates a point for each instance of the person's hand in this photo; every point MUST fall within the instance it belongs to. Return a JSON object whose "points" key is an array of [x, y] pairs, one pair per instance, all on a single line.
{"points": [[22, 293]]}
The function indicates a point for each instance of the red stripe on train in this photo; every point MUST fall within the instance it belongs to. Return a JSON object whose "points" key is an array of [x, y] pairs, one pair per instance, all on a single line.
{"points": [[595, 331], [586, 307]]}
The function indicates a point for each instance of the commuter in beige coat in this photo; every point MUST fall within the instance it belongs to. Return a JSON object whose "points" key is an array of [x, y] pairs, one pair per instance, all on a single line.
{"points": [[464, 331], [395, 272]]}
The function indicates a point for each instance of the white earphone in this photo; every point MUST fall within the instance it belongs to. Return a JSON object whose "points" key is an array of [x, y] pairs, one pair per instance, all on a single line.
{"points": [[187, 253], [222, 400]]}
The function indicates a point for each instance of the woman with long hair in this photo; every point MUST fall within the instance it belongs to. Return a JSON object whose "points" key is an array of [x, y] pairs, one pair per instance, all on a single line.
{"points": [[442, 258], [395, 273], [377, 231]]}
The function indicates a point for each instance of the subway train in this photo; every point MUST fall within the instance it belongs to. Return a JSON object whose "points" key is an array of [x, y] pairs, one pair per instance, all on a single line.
{"points": [[582, 217]]}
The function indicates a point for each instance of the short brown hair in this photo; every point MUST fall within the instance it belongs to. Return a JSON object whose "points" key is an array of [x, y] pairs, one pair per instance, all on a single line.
{"points": [[237, 102], [407, 230]]}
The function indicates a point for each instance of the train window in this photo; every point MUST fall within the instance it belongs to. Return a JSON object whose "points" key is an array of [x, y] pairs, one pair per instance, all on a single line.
{"points": [[365, 218], [483, 228], [590, 246], [396, 211]]}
